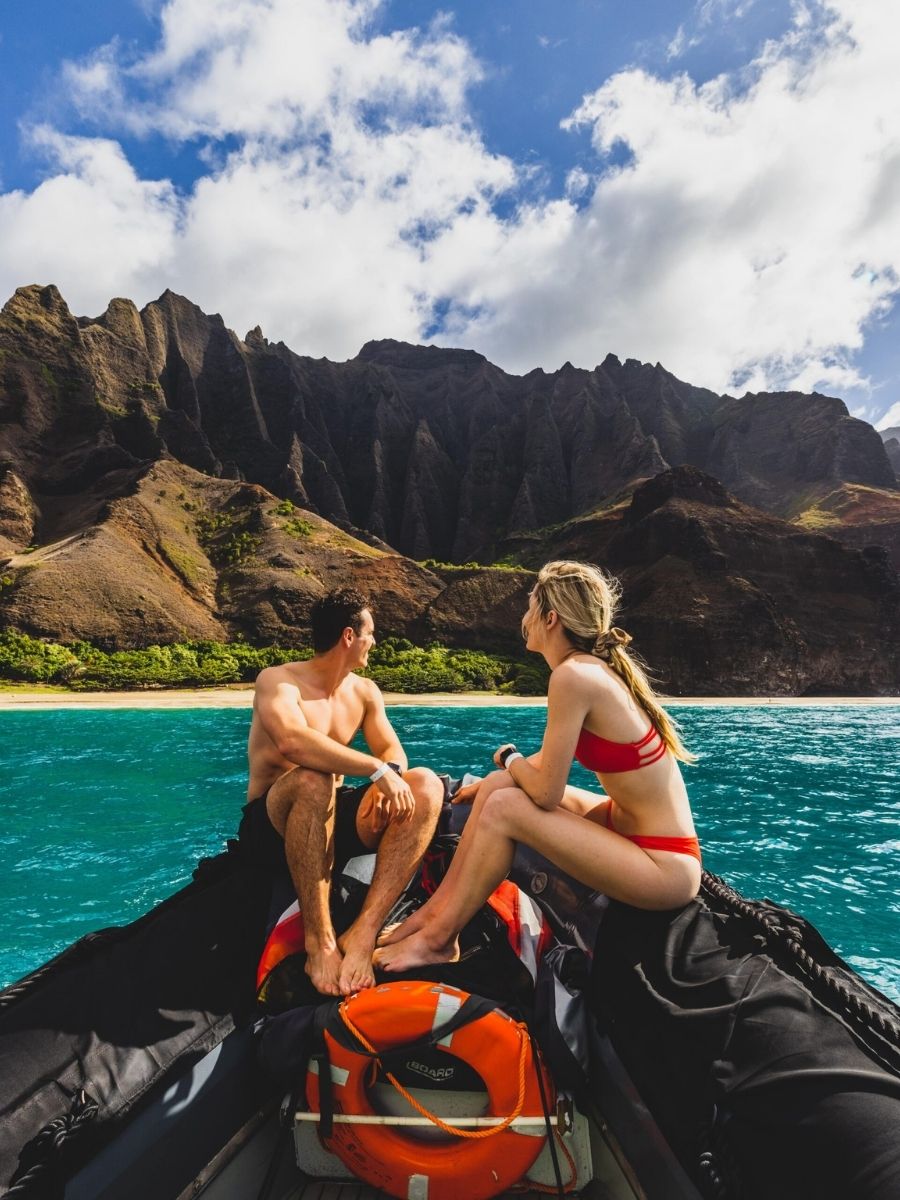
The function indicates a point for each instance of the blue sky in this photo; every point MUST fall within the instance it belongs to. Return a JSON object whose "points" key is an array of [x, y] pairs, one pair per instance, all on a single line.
{"points": [[707, 183]]}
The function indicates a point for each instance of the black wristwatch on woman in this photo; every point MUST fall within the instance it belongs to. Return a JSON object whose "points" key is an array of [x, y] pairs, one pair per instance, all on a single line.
{"points": [[507, 754]]}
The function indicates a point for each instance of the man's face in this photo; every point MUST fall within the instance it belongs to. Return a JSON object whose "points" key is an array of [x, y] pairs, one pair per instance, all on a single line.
{"points": [[364, 640]]}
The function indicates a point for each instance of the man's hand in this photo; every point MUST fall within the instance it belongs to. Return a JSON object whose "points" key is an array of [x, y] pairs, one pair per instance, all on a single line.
{"points": [[391, 799], [466, 794]]}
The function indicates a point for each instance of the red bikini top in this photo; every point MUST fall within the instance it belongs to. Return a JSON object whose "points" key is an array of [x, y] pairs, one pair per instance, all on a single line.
{"points": [[600, 754]]}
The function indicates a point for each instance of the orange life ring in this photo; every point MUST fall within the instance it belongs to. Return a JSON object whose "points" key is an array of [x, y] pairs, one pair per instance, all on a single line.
{"points": [[476, 1165]]}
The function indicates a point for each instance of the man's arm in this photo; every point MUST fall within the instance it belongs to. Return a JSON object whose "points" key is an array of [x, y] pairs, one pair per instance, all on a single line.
{"points": [[278, 708], [380, 735]]}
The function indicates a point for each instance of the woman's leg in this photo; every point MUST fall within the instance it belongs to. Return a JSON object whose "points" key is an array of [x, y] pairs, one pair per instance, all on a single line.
{"points": [[585, 849], [431, 934], [395, 933], [583, 803], [576, 800]]}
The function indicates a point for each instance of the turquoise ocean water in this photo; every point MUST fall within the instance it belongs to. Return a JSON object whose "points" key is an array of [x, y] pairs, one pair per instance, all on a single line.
{"points": [[105, 813]]}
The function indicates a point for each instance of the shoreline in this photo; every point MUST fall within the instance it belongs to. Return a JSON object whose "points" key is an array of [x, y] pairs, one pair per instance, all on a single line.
{"points": [[241, 696]]}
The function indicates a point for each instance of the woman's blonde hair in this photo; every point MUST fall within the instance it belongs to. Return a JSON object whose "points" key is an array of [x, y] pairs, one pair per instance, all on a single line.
{"points": [[585, 600]]}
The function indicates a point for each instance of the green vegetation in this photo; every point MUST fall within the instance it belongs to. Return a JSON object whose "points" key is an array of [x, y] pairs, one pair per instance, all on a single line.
{"points": [[434, 564], [185, 564], [111, 407], [184, 664], [815, 519], [226, 550], [23, 657], [298, 527], [209, 525], [295, 526], [395, 664], [235, 549], [140, 387]]}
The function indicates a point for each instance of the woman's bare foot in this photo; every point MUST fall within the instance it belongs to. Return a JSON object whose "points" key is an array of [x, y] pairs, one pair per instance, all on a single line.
{"points": [[324, 970], [356, 971], [392, 934], [417, 950]]}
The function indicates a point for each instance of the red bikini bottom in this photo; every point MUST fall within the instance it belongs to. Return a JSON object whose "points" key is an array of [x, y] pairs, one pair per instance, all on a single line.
{"points": [[675, 845]]}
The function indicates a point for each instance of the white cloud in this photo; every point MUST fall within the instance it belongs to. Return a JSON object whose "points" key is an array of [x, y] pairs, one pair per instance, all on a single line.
{"points": [[707, 17], [354, 152], [679, 44], [710, 12], [578, 183], [93, 227], [749, 239], [277, 69]]}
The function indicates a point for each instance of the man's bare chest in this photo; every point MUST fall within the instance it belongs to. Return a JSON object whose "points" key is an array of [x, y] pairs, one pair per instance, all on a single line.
{"points": [[336, 717]]}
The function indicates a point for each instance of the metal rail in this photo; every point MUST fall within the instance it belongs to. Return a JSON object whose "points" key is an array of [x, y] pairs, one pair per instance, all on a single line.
{"points": [[459, 1122]]}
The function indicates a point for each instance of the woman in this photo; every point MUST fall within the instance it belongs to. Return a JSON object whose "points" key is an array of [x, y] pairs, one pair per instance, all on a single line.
{"points": [[637, 843]]}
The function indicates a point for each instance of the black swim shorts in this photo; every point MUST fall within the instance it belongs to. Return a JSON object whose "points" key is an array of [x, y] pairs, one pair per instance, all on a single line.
{"points": [[265, 844]]}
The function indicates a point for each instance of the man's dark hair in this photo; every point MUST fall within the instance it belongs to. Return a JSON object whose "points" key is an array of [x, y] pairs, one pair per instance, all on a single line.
{"points": [[330, 616]]}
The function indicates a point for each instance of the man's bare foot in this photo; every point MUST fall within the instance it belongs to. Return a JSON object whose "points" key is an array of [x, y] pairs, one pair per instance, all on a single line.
{"points": [[417, 950], [324, 970], [356, 972]]}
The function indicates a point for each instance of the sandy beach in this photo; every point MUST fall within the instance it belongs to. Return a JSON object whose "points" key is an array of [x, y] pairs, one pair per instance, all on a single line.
{"points": [[241, 696]]}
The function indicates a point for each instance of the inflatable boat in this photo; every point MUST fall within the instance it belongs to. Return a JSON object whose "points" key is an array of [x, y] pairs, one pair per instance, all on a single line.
{"points": [[720, 1050]]}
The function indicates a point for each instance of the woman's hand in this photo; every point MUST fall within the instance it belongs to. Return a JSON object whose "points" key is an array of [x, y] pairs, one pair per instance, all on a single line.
{"points": [[498, 761]]}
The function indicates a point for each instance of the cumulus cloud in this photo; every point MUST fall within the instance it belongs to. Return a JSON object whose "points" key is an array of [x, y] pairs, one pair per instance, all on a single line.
{"points": [[747, 239], [352, 153], [92, 226]]}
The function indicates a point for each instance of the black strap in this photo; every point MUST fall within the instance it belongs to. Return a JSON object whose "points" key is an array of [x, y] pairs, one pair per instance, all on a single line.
{"points": [[288, 1108], [325, 1017], [472, 1009], [551, 1138], [328, 1017]]}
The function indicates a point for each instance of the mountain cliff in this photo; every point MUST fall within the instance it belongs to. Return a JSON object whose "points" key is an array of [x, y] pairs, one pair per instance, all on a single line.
{"points": [[160, 478], [436, 452], [725, 600], [891, 439]]}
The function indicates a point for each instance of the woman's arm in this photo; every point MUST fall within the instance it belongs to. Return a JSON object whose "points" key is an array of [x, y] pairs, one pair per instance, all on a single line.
{"points": [[568, 700], [466, 794]]}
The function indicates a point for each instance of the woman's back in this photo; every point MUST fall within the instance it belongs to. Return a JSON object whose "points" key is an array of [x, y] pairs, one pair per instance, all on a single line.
{"points": [[648, 794]]}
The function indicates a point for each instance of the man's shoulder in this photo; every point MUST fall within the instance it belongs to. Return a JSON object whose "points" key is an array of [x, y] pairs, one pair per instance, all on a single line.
{"points": [[270, 677], [363, 688]]}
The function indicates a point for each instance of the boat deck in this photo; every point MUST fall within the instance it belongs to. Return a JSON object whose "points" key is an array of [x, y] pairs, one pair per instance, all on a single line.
{"points": [[317, 1189], [237, 1172]]}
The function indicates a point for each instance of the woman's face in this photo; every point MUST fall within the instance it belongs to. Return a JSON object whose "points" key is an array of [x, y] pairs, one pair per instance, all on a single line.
{"points": [[531, 622]]}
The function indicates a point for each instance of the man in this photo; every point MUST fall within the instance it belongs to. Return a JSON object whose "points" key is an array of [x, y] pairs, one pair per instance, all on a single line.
{"points": [[305, 714]]}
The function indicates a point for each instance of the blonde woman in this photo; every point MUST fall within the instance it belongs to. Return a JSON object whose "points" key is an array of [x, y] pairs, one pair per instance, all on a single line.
{"points": [[636, 843]]}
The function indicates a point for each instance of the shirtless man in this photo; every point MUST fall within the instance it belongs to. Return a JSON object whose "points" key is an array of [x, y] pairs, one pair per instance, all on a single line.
{"points": [[305, 714]]}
